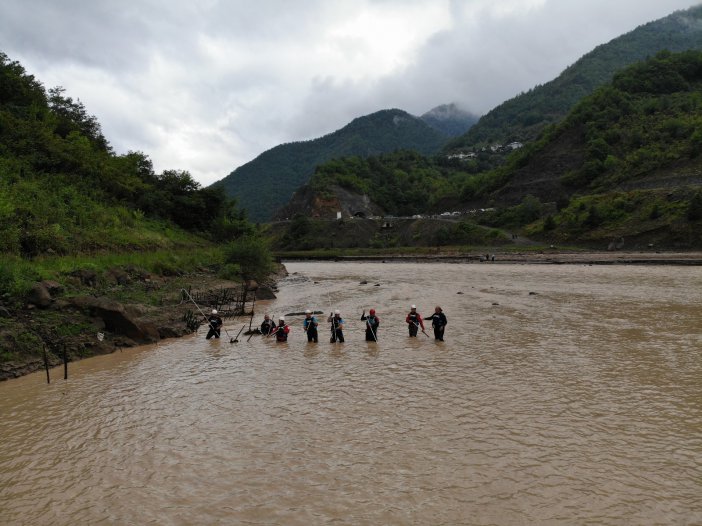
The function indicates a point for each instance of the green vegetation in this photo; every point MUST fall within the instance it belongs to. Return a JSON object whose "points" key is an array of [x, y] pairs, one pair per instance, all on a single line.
{"points": [[64, 191], [252, 255], [524, 117], [655, 217], [404, 182], [17, 274], [266, 183], [69, 203], [637, 130], [310, 235], [640, 133]]}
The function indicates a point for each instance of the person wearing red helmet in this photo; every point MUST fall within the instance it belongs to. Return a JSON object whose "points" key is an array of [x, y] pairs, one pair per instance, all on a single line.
{"points": [[372, 324]]}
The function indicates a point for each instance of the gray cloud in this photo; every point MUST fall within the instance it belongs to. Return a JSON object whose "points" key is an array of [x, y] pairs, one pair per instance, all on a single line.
{"points": [[206, 86]]}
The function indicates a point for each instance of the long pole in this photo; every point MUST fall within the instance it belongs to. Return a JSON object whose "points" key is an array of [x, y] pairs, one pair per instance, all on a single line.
{"points": [[236, 340], [231, 340], [417, 325], [65, 363], [370, 327], [46, 365], [252, 311]]}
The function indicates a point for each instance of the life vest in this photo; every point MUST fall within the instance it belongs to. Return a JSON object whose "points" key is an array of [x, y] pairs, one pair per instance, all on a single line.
{"points": [[281, 334]]}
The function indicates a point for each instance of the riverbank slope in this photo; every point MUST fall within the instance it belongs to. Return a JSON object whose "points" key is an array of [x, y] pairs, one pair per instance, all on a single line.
{"points": [[91, 314]]}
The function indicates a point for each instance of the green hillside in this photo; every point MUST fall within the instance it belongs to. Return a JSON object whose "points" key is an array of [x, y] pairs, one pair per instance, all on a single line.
{"points": [[525, 116], [266, 183], [64, 192], [625, 162]]}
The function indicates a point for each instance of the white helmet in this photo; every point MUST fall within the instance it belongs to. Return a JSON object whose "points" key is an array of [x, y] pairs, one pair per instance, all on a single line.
{"points": [[337, 312], [308, 311], [214, 311], [413, 307], [281, 319]]}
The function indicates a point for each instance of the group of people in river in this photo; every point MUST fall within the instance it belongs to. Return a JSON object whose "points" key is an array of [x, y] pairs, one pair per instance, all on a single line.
{"points": [[310, 325]]}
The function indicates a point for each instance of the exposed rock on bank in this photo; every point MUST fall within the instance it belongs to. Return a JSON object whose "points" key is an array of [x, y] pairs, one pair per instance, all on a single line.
{"points": [[91, 315]]}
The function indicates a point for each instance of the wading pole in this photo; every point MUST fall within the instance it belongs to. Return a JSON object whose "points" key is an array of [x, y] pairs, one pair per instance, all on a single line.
{"points": [[425, 334], [236, 340], [65, 363], [46, 365], [252, 311], [371, 328]]}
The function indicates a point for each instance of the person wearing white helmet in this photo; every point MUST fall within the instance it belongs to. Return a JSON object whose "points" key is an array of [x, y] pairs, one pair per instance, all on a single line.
{"points": [[310, 325], [414, 321], [215, 323], [337, 327], [281, 331]]}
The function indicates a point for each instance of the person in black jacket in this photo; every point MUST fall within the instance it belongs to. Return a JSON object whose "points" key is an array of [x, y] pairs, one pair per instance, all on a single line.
{"points": [[337, 327], [310, 325], [438, 321], [267, 326], [215, 323], [372, 324]]}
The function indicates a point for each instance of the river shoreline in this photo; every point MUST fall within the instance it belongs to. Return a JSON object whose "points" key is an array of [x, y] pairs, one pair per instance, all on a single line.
{"points": [[92, 321], [543, 257]]}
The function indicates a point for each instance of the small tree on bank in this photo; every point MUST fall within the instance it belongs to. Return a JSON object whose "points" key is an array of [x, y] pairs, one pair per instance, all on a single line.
{"points": [[253, 256]]}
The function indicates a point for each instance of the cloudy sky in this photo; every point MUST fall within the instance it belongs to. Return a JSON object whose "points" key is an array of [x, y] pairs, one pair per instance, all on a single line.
{"points": [[207, 85]]}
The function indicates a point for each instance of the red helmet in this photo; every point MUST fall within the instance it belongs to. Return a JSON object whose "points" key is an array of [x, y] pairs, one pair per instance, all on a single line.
{"points": [[372, 311]]}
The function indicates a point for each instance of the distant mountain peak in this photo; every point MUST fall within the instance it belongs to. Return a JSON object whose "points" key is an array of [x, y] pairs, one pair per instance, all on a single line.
{"points": [[264, 184], [450, 119]]}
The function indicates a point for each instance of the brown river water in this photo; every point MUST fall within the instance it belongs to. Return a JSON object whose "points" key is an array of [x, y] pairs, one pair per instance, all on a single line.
{"points": [[580, 403]]}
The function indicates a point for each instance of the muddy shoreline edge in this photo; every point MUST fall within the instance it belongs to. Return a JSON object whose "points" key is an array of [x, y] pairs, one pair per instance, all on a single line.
{"points": [[543, 258], [95, 321]]}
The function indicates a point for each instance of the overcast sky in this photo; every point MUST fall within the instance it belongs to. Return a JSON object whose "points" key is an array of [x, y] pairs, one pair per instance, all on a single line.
{"points": [[207, 85]]}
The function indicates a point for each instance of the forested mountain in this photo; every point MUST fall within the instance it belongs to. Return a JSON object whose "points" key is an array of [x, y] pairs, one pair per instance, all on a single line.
{"points": [[525, 116], [266, 183], [450, 120], [64, 191], [626, 161]]}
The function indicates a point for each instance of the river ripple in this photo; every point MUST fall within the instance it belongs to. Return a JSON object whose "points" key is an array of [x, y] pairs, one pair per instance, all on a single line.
{"points": [[563, 394]]}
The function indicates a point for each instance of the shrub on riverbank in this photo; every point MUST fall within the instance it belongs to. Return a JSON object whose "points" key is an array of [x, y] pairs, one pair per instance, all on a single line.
{"points": [[252, 255]]}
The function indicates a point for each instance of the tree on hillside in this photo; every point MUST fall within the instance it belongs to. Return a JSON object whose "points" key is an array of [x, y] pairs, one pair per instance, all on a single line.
{"points": [[72, 116]]}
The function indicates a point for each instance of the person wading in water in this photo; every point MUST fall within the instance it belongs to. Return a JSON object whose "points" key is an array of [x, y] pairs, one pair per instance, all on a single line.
{"points": [[414, 321], [281, 331], [267, 326], [215, 323], [438, 321], [310, 326], [372, 324], [337, 327]]}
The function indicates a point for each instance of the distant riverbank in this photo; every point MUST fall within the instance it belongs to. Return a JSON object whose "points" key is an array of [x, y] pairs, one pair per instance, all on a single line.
{"points": [[542, 257]]}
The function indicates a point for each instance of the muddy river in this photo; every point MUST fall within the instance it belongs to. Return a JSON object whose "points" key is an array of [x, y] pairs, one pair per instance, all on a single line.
{"points": [[562, 394]]}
